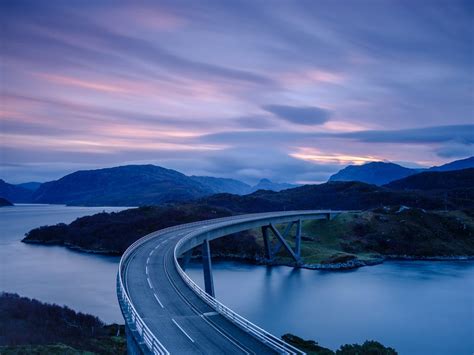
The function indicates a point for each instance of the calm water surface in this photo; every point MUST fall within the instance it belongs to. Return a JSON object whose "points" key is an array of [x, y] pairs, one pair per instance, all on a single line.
{"points": [[416, 307], [84, 282]]}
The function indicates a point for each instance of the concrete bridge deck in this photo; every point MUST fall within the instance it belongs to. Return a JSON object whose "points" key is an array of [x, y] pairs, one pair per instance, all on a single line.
{"points": [[164, 315]]}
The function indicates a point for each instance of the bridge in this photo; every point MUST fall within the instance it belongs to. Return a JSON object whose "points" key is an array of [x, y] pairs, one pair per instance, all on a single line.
{"points": [[165, 312]]}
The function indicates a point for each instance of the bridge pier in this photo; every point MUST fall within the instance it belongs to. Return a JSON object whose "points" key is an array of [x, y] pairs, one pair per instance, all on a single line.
{"points": [[281, 241], [207, 268], [266, 243]]}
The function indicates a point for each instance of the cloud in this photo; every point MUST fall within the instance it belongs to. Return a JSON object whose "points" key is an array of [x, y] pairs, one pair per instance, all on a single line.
{"points": [[309, 115], [433, 134], [455, 150]]}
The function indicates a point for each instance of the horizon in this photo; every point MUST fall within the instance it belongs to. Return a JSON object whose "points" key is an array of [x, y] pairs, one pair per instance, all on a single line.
{"points": [[254, 183], [291, 93]]}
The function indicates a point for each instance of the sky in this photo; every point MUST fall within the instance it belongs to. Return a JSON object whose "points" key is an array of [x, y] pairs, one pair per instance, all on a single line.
{"points": [[287, 90]]}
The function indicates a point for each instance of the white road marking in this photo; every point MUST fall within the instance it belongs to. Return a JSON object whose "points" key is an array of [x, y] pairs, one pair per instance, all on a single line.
{"points": [[149, 282], [146, 269], [182, 330], [148, 260], [161, 304], [151, 253], [207, 314]]}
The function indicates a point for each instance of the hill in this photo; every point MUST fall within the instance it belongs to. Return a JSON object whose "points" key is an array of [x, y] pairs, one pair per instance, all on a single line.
{"points": [[455, 165], [131, 185], [381, 173], [14, 193], [5, 202], [32, 186], [265, 184], [436, 180], [112, 233], [377, 173], [336, 195], [223, 185]]}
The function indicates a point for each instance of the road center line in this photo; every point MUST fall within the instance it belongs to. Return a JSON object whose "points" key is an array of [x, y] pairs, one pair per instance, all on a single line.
{"points": [[146, 269], [149, 282], [182, 330], [161, 304]]}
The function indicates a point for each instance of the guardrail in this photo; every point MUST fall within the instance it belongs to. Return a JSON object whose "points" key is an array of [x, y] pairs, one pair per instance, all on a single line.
{"points": [[251, 328], [146, 339], [135, 323]]}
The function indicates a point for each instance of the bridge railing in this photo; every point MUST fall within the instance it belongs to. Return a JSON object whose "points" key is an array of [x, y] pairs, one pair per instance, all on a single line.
{"points": [[267, 338], [141, 332], [143, 335]]}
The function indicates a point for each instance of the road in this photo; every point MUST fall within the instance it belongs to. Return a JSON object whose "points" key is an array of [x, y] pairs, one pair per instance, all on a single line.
{"points": [[181, 321]]}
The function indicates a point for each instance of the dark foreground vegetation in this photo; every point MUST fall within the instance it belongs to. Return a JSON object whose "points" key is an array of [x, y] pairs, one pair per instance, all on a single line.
{"points": [[28, 326], [31, 327], [313, 348]]}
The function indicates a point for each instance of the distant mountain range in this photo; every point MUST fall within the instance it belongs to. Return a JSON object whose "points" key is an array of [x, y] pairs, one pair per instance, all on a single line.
{"points": [[131, 185], [138, 185], [381, 173], [15, 193], [450, 189]]}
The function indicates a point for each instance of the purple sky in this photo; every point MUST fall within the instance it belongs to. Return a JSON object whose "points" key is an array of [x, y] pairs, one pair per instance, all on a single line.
{"points": [[288, 90]]}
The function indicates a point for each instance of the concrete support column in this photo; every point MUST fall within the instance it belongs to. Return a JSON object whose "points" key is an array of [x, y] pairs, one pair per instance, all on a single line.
{"points": [[207, 268], [298, 239], [187, 258], [266, 243]]}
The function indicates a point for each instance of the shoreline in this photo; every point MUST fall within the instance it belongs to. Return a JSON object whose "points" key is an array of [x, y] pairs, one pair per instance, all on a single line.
{"points": [[349, 265]]}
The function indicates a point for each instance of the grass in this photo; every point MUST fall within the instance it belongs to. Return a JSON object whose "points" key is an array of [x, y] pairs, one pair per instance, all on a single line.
{"points": [[370, 235]]}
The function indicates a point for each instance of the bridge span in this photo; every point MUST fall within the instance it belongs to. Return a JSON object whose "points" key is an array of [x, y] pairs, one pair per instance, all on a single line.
{"points": [[165, 312]]}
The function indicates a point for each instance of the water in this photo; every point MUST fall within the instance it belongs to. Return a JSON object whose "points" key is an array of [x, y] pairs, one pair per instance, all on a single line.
{"points": [[415, 307], [54, 274]]}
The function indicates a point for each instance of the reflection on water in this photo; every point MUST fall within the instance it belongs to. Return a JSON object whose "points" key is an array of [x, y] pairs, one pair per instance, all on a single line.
{"points": [[84, 282], [416, 307]]}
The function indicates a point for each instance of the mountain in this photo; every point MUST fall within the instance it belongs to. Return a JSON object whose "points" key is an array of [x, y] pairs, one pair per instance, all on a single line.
{"points": [[266, 184], [455, 165], [223, 185], [131, 185], [436, 180], [377, 173], [380, 173], [14, 193], [32, 186]]}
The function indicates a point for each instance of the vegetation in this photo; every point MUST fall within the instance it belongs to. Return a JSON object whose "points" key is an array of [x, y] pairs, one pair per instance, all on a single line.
{"points": [[31, 327], [113, 232], [313, 348], [396, 231]]}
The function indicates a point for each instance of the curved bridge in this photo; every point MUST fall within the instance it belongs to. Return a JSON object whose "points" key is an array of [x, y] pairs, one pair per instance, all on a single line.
{"points": [[167, 313]]}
